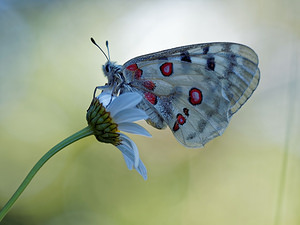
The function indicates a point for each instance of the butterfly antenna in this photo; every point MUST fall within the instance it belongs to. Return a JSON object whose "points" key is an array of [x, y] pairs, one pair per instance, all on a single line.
{"points": [[94, 42], [106, 43]]}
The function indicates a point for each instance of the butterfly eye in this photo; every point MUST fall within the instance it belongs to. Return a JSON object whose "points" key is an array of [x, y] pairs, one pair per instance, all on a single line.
{"points": [[107, 69]]}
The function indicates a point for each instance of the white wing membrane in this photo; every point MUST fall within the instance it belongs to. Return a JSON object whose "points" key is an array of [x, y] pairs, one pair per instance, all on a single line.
{"points": [[195, 89]]}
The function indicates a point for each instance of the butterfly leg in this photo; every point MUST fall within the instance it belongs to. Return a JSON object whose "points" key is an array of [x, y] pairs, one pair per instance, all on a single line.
{"points": [[112, 90], [103, 88]]}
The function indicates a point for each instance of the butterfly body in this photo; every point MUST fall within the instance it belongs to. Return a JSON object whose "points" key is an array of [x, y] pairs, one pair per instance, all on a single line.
{"points": [[193, 89]]}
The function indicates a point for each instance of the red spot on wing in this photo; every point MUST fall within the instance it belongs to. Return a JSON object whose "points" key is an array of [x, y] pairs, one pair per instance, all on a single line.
{"points": [[132, 67], [176, 126], [149, 85], [195, 96], [180, 119], [152, 98], [166, 69], [137, 72]]}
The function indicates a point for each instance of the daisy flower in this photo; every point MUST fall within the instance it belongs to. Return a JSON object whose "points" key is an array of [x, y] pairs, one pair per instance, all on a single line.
{"points": [[108, 115]]}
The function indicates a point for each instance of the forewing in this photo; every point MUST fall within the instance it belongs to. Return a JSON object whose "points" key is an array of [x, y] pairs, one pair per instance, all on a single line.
{"points": [[195, 89]]}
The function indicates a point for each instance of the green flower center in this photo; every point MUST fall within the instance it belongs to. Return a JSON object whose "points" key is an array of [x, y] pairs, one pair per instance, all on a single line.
{"points": [[105, 130]]}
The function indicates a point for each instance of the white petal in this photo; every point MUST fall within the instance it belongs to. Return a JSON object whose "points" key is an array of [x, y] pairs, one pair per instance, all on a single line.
{"points": [[127, 141], [129, 162], [134, 129], [142, 170], [105, 98], [130, 115], [124, 101], [129, 158], [127, 154]]}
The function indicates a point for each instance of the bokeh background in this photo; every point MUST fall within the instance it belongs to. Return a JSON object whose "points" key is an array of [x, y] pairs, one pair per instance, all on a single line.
{"points": [[49, 69]]}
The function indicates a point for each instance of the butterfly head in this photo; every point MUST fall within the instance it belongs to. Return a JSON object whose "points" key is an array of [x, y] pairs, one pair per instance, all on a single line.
{"points": [[111, 70]]}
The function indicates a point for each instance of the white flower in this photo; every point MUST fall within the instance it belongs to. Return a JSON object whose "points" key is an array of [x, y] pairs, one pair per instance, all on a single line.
{"points": [[119, 114]]}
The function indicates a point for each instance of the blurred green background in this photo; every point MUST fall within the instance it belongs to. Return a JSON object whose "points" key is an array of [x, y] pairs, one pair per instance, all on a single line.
{"points": [[49, 69]]}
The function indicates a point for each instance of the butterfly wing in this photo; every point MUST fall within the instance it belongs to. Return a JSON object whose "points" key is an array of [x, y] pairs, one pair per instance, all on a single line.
{"points": [[193, 89]]}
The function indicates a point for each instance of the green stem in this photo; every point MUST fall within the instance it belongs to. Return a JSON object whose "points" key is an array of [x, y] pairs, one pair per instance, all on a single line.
{"points": [[75, 137], [282, 184], [292, 91]]}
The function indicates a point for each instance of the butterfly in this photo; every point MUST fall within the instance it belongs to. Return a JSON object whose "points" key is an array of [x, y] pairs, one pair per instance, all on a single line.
{"points": [[194, 89]]}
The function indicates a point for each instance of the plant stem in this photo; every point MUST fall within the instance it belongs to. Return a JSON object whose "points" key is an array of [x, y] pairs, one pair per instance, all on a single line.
{"points": [[73, 138], [291, 110], [281, 189]]}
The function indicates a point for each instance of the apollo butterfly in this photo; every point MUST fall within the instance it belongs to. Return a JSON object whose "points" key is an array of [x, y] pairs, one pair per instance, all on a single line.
{"points": [[194, 89]]}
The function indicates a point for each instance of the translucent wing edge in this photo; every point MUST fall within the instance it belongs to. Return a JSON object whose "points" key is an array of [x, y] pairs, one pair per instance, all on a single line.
{"points": [[247, 94]]}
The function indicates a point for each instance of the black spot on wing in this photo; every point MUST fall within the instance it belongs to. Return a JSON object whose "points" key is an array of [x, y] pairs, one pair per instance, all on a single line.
{"points": [[201, 125], [205, 50], [210, 113], [232, 57], [191, 136], [211, 63], [185, 56]]}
